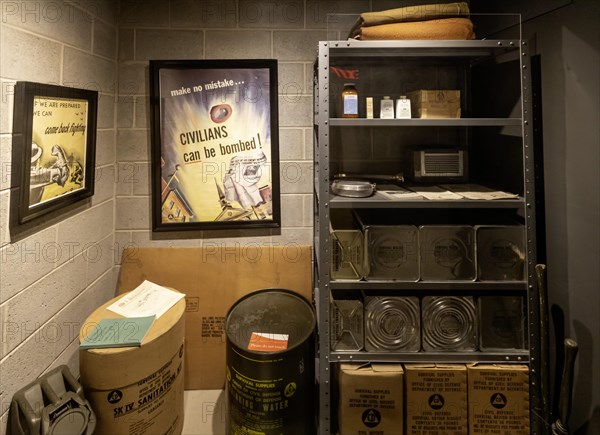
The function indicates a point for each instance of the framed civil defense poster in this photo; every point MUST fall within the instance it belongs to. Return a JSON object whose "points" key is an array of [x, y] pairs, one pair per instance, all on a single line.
{"points": [[54, 144], [215, 144]]}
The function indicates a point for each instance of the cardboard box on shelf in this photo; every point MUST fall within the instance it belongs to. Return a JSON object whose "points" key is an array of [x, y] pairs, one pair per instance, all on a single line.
{"points": [[370, 398], [498, 399], [436, 399], [435, 103], [213, 278]]}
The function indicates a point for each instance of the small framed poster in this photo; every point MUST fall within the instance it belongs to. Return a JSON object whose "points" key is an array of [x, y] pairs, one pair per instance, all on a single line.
{"points": [[54, 147], [215, 144]]}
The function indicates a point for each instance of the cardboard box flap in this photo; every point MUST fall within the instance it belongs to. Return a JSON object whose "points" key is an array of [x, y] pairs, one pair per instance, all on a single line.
{"points": [[487, 366], [374, 367], [387, 368], [436, 366]]}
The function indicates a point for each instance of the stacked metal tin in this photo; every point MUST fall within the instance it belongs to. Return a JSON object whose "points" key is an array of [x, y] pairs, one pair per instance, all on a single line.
{"points": [[428, 324], [372, 248]]}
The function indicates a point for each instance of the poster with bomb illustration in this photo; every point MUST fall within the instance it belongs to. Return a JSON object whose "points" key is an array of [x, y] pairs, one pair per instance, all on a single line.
{"points": [[55, 131], [215, 159]]}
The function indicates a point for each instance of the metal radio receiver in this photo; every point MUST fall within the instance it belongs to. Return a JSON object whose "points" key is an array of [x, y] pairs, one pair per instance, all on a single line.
{"points": [[438, 165]]}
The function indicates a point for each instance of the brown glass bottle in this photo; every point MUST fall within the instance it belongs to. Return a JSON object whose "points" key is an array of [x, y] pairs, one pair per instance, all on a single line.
{"points": [[349, 101]]}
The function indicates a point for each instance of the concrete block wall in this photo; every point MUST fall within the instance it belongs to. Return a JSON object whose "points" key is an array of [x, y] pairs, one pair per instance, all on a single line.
{"points": [[288, 31], [55, 271]]}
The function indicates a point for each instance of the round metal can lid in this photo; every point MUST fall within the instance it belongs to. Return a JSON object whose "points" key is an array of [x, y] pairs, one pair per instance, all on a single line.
{"points": [[352, 188], [270, 312]]}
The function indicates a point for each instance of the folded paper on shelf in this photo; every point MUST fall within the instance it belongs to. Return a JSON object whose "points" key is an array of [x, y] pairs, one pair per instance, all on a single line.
{"points": [[476, 191]]}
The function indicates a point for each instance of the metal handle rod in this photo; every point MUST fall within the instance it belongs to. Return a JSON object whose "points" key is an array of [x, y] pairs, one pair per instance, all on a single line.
{"points": [[561, 425], [399, 177]]}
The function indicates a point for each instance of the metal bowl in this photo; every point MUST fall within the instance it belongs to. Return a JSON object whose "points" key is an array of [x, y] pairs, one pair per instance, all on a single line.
{"points": [[352, 188]]}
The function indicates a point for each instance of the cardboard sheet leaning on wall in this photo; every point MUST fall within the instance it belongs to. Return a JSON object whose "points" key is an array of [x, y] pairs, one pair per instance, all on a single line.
{"points": [[213, 278]]}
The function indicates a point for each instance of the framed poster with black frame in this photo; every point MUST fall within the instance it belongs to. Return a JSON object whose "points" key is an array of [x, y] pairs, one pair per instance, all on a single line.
{"points": [[54, 147], [215, 144]]}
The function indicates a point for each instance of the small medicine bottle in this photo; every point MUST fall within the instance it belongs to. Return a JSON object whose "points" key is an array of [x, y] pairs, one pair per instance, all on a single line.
{"points": [[387, 108], [349, 101], [402, 107]]}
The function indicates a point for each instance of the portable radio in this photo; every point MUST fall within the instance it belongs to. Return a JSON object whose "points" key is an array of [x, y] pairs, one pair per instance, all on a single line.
{"points": [[438, 165]]}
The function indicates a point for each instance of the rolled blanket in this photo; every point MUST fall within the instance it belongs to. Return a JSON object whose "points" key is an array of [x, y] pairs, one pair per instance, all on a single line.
{"points": [[447, 28], [408, 14]]}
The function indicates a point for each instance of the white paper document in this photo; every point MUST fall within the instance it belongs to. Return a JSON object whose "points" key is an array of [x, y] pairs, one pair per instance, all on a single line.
{"points": [[147, 299], [476, 191], [398, 194], [436, 192]]}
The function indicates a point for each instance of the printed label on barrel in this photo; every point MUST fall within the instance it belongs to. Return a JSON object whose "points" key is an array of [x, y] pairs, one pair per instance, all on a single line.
{"points": [[265, 342], [269, 397], [261, 400]]}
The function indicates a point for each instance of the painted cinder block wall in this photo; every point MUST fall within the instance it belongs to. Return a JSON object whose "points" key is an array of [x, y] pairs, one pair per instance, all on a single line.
{"points": [[51, 275], [288, 31], [55, 271]]}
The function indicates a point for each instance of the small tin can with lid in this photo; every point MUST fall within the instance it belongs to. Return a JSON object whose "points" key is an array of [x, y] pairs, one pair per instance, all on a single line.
{"points": [[349, 101]]}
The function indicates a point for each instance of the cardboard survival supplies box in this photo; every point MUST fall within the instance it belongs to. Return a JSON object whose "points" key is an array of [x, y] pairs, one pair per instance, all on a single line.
{"points": [[435, 103], [498, 399], [436, 399], [370, 399], [213, 278]]}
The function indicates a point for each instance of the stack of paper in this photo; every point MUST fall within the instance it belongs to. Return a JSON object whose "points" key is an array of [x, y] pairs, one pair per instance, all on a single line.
{"points": [[140, 308]]}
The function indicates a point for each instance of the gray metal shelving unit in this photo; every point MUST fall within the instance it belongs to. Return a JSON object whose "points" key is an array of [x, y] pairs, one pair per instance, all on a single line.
{"points": [[495, 129]]}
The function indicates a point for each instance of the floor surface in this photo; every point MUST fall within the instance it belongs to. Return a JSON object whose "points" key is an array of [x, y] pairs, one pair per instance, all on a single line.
{"points": [[204, 412]]}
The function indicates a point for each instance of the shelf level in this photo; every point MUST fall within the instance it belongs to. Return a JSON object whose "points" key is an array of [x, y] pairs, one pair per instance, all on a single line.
{"points": [[514, 356], [429, 285], [376, 201], [421, 48], [425, 122]]}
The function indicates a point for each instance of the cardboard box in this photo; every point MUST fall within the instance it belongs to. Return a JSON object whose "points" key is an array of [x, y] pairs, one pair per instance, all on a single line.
{"points": [[213, 279], [498, 399], [436, 399], [435, 103], [137, 390], [370, 399]]}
